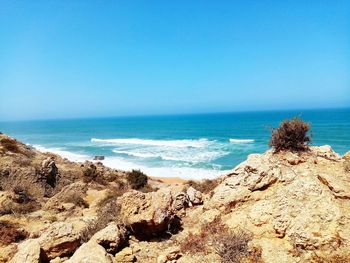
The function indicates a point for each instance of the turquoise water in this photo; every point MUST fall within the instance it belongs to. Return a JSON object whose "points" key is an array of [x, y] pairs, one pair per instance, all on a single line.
{"points": [[189, 146]]}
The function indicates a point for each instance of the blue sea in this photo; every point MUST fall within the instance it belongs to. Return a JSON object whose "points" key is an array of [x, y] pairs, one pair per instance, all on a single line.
{"points": [[187, 146]]}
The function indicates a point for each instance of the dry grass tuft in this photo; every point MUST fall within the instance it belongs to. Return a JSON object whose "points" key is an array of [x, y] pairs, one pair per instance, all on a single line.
{"points": [[108, 212], [75, 198]]}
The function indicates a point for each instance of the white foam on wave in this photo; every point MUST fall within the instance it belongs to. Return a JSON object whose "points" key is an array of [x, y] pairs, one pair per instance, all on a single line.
{"points": [[170, 171], [127, 165], [241, 140], [186, 155], [75, 157], [200, 143]]}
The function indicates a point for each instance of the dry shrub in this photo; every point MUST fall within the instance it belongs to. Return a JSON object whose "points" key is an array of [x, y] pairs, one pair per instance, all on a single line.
{"points": [[75, 198], [137, 179], [25, 191], [23, 161], [10, 145], [24, 186], [205, 186], [291, 135], [231, 246], [10, 233], [194, 243], [90, 173], [108, 212]]}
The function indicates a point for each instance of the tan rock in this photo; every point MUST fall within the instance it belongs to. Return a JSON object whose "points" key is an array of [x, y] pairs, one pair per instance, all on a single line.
{"points": [[111, 238], [169, 255], [194, 196], [326, 152], [147, 214], [91, 252], [28, 251], [125, 256], [59, 239], [346, 156], [181, 201]]}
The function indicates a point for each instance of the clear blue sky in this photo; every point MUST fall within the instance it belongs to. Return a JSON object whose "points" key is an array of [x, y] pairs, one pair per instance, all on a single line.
{"points": [[64, 59]]}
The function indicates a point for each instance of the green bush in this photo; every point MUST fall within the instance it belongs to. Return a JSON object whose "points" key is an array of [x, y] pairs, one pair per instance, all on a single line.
{"points": [[137, 179], [291, 135]]}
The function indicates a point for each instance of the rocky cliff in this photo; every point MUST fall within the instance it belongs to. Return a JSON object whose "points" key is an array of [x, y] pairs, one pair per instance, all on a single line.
{"points": [[282, 207]]}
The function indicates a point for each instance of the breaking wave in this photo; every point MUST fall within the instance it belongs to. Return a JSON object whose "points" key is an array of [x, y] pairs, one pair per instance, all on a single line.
{"points": [[200, 143], [241, 141]]}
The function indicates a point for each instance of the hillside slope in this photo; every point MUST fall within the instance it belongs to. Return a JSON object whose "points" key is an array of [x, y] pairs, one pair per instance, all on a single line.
{"points": [[283, 207]]}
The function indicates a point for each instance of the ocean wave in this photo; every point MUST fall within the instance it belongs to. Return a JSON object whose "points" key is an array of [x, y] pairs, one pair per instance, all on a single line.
{"points": [[75, 157], [200, 143], [164, 171], [241, 141], [188, 155]]}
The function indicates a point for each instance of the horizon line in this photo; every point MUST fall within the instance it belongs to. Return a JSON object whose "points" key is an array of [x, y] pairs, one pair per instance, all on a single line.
{"points": [[174, 114]]}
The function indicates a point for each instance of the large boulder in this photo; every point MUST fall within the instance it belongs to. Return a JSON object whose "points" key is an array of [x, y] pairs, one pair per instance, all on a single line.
{"points": [[28, 251], [147, 214], [125, 256], [111, 238], [60, 239], [91, 252]]}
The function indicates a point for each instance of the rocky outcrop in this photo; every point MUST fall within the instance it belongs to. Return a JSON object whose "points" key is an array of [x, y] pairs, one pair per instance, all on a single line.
{"points": [[288, 202], [147, 214], [49, 171], [295, 207]]}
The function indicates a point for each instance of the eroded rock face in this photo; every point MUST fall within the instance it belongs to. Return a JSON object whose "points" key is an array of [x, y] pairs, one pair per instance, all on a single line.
{"points": [[147, 214], [111, 238], [60, 239], [288, 201]]}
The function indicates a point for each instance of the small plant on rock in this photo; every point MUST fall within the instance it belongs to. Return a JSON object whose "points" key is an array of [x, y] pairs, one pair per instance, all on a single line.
{"points": [[137, 179], [291, 135]]}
